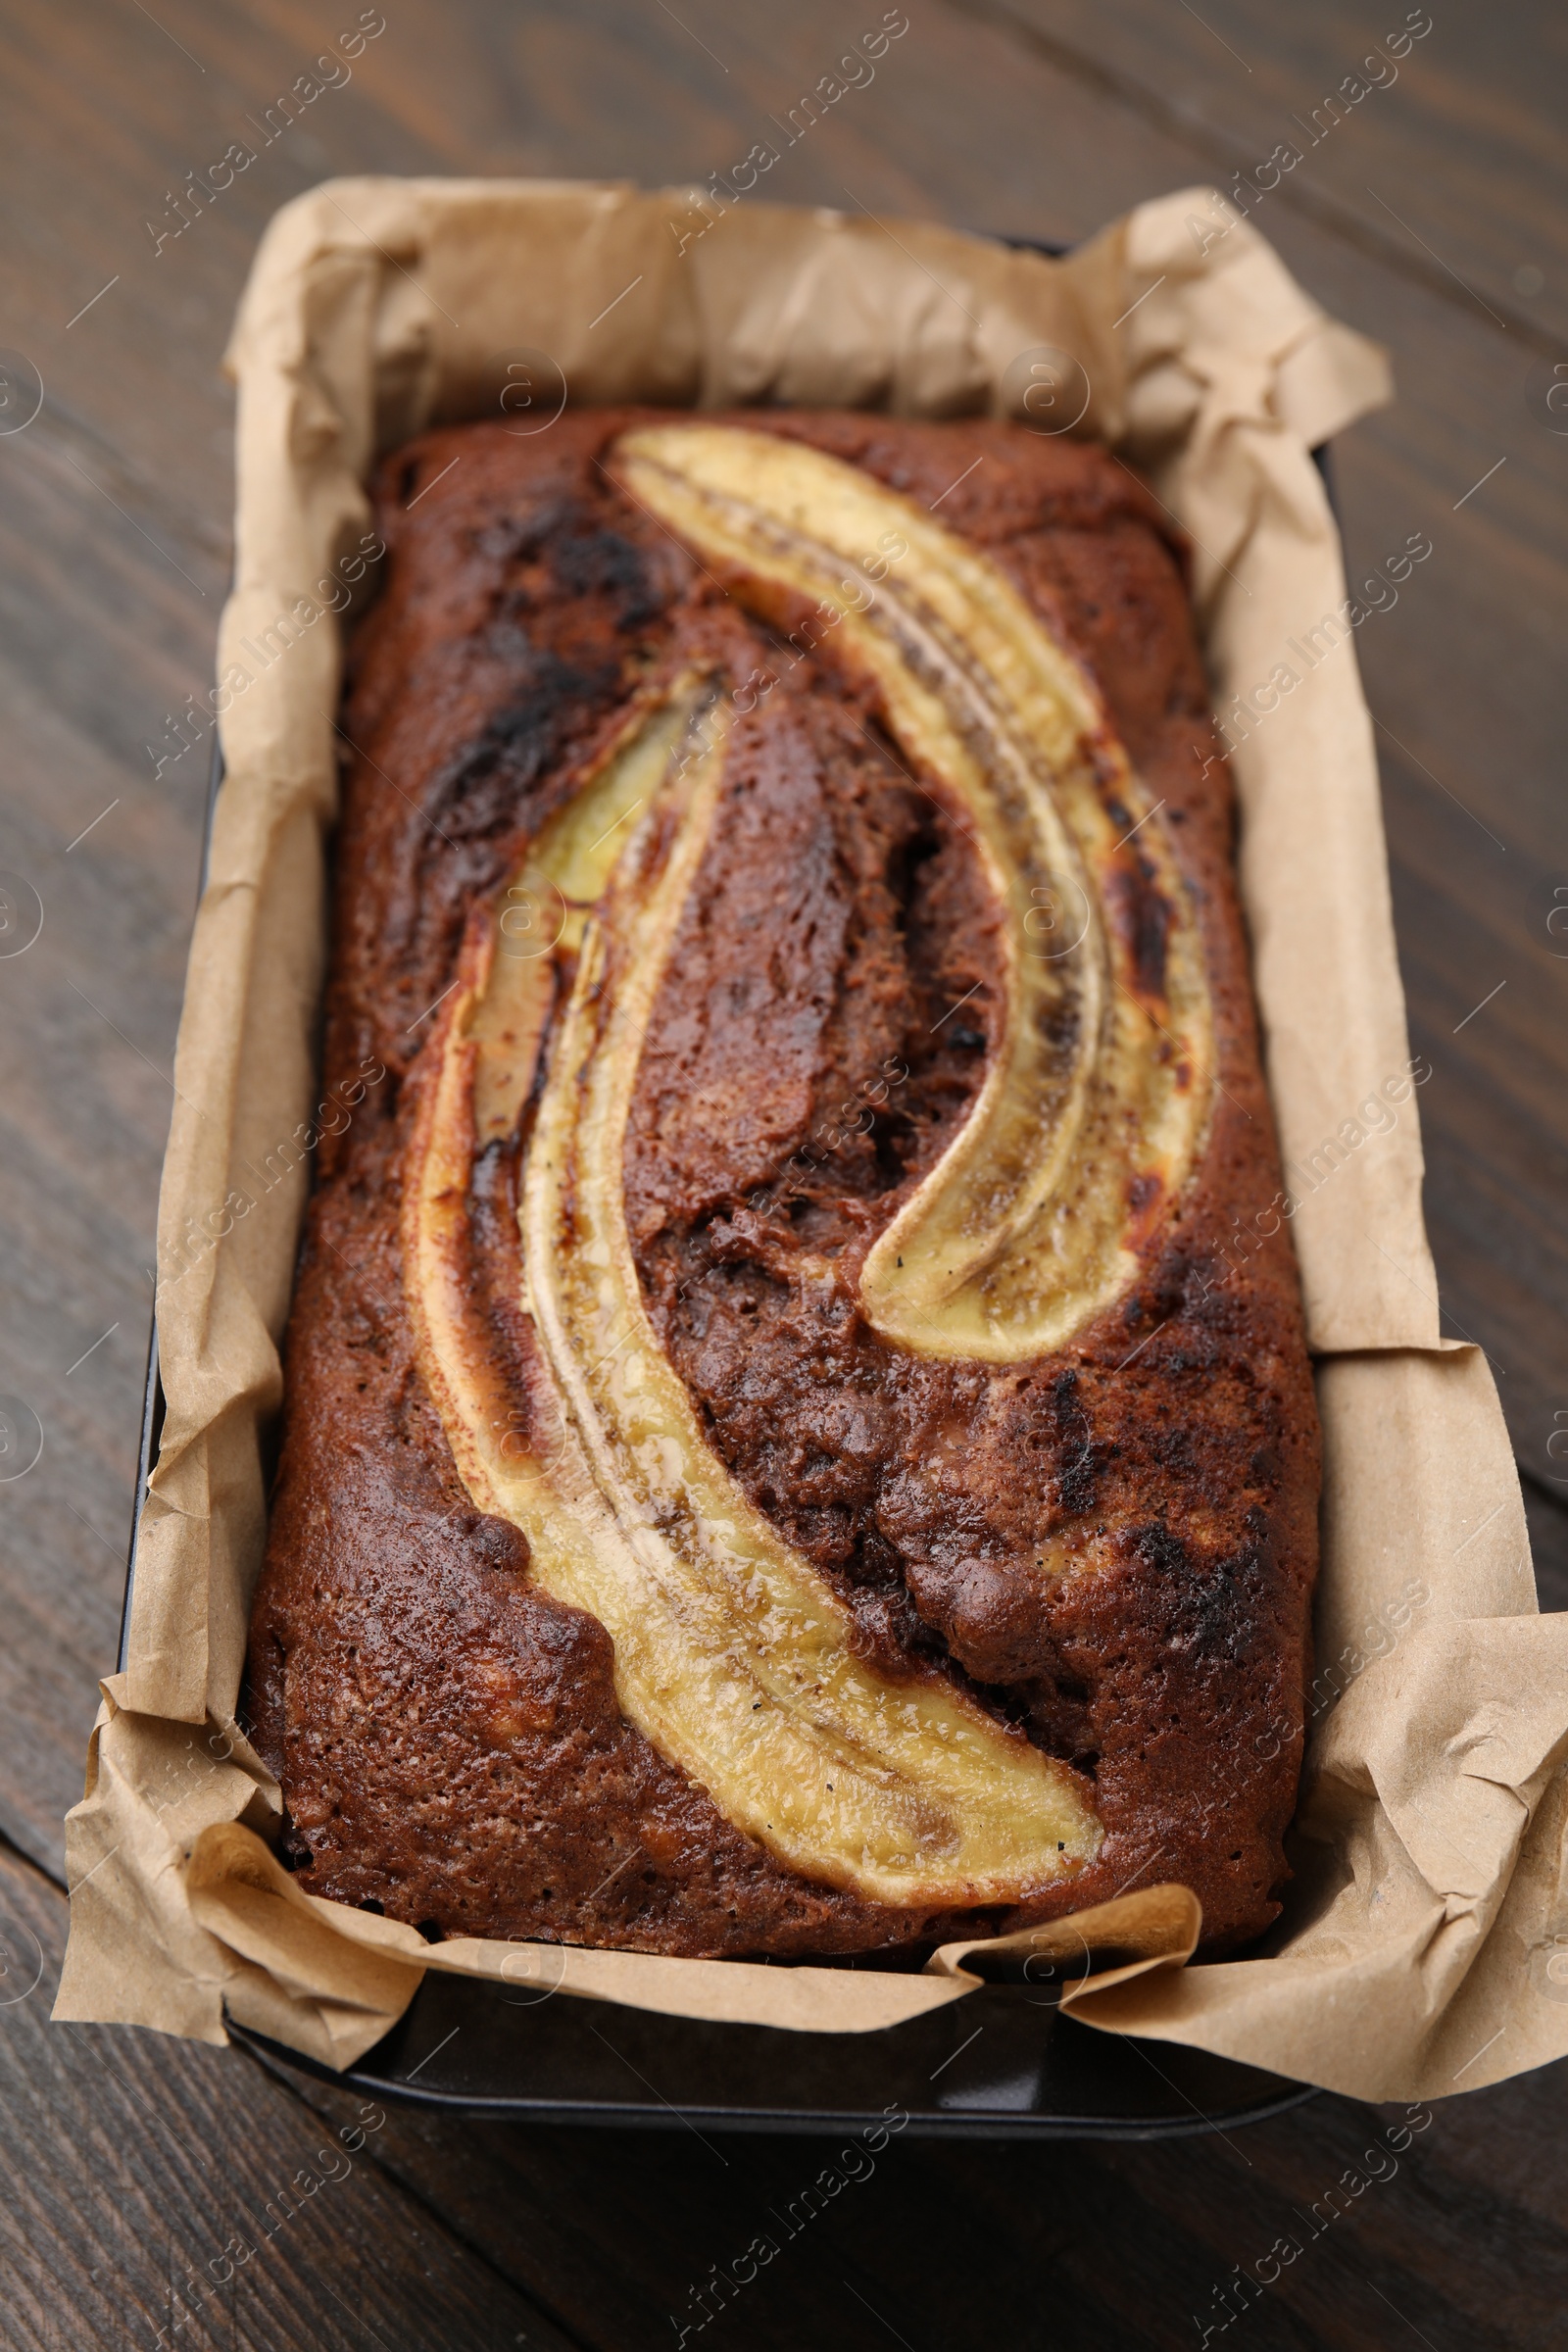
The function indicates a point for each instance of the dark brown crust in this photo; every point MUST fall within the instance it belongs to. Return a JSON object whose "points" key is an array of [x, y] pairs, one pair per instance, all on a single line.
{"points": [[448, 1735]]}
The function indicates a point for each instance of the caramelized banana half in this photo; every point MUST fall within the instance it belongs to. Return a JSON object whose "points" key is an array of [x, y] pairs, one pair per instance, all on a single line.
{"points": [[732, 1655], [1096, 1098]]}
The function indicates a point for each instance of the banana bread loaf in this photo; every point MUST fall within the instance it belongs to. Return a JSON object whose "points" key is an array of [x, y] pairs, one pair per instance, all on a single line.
{"points": [[797, 1437]]}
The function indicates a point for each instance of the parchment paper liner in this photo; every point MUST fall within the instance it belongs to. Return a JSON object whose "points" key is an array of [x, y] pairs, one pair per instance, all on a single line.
{"points": [[1417, 1952]]}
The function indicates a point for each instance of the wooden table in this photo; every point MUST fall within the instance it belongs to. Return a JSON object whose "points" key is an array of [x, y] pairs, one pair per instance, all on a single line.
{"points": [[1427, 212]]}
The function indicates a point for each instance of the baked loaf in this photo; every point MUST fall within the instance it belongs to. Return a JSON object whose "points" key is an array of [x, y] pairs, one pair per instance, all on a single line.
{"points": [[798, 1436]]}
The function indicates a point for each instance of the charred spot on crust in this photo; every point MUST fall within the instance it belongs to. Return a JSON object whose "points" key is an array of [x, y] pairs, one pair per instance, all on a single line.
{"points": [[596, 562], [1142, 913], [479, 790]]}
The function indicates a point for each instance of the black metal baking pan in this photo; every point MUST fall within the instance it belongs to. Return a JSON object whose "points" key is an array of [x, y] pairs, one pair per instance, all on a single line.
{"points": [[1000, 2064]]}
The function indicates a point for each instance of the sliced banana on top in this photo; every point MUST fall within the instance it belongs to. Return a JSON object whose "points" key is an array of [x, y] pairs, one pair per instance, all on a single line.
{"points": [[734, 1657]]}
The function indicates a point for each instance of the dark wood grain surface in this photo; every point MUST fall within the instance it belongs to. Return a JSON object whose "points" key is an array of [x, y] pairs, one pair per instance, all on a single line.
{"points": [[1429, 212]]}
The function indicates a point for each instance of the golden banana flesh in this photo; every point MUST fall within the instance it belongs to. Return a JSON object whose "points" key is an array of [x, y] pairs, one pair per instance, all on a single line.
{"points": [[732, 1655]]}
